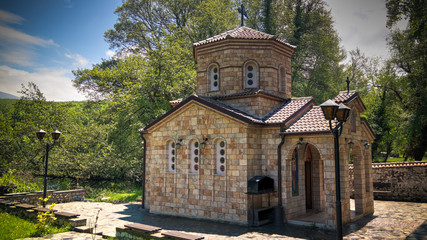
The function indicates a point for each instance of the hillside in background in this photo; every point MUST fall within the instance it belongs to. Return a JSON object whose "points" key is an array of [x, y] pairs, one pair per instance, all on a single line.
{"points": [[4, 95]]}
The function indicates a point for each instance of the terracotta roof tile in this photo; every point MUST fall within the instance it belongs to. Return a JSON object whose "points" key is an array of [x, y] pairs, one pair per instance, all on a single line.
{"points": [[224, 106], [245, 93], [312, 121], [300, 113], [399, 164], [175, 102], [241, 32], [287, 110], [344, 97]]}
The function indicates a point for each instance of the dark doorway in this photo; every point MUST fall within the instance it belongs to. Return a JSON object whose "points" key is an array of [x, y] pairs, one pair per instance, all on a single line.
{"points": [[308, 181]]}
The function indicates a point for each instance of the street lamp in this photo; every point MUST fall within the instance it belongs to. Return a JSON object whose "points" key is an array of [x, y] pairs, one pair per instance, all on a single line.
{"points": [[55, 136], [331, 111]]}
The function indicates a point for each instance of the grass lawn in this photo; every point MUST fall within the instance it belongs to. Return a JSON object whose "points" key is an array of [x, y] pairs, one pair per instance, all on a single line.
{"points": [[12, 227], [116, 196]]}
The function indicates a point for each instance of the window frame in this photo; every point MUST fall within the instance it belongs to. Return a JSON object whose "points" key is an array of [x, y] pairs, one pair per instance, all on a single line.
{"points": [[255, 73], [218, 156], [210, 79], [192, 156], [171, 154]]}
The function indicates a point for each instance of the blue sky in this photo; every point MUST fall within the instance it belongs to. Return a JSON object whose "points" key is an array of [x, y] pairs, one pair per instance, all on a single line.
{"points": [[44, 40]]}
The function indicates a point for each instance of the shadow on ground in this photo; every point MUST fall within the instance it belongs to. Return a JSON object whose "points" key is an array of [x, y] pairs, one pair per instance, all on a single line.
{"points": [[218, 228], [419, 233], [357, 225]]}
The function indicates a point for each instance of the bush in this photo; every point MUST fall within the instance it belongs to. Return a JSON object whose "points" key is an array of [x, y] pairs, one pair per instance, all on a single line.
{"points": [[11, 183]]}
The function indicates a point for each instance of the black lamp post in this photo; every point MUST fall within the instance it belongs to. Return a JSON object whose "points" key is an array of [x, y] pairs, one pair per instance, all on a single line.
{"points": [[55, 136], [331, 111]]}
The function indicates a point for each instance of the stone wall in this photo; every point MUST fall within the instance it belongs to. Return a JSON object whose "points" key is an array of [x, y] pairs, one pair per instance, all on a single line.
{"points": [[56, 196], [205, 193], [398, 181], [273, 60]]}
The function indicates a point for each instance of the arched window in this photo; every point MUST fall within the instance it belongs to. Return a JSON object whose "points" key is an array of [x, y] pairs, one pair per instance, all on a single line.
{"points": [[194, 156], [251, 75], [220, 156], [170, 148], [213, 77], [282, 79]]}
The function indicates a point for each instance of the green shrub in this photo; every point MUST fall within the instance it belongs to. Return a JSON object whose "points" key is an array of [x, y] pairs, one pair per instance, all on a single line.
{"points": [[12, 183]]}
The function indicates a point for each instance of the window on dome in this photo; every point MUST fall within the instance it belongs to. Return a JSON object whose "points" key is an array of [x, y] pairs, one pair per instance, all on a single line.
{"points": [[251, 75], [213, 77]]}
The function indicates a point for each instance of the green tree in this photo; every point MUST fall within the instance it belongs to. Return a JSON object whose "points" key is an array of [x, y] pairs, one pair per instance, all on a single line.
{"points": [[316, 68], [408, 49]]}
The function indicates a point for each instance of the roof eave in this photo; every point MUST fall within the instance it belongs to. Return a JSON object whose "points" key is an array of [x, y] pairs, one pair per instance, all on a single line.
{"points": [[203, 102]]}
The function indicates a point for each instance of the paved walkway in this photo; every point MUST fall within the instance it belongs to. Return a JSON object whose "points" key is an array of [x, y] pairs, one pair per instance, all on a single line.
{"points": [[391, 220]]}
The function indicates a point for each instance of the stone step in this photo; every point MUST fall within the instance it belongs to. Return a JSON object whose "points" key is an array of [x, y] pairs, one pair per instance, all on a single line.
{"points": [[66, 215], [77, 222], [25, 206], [83, 229], [38, 209], [180, 235], [143, 227]]}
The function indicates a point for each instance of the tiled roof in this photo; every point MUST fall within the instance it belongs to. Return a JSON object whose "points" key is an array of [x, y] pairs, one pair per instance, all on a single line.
{"points": [[287, 110], [175, 102], [242, 32], [218, 105], [248, 92], [299, 114], [313, 121], [230, 109], [344, 97]]}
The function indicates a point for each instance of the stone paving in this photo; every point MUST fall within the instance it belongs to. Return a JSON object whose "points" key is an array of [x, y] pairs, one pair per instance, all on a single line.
{"points": [[391, 220]]}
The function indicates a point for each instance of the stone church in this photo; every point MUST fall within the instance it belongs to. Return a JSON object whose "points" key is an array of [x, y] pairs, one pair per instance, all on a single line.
{"points": [[215, 155]]}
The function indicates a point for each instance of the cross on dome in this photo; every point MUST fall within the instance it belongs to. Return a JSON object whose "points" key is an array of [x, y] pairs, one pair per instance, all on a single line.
{"points": [[243, 13]]}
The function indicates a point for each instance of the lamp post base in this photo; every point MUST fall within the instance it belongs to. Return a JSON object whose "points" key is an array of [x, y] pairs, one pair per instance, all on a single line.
{"points": [[278, 216]]}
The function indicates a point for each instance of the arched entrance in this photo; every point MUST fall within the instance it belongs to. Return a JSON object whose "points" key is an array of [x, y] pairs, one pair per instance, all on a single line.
{"points": [[313, 175], [309, 205]]}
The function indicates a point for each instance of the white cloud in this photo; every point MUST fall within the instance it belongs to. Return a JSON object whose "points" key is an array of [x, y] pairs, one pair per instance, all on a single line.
{"points": [[15, 37], [79, 60], [110, 53], [20, 56], [18, 47], [8, 17], [361, 24], [55, 84]]}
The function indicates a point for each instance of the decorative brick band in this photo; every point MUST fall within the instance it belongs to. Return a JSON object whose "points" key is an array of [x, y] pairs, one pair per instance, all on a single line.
{"points": [[399, 164]]}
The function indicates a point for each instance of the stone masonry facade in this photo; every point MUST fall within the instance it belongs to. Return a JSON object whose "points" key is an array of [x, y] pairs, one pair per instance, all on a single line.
{"points": [[201, 154]]}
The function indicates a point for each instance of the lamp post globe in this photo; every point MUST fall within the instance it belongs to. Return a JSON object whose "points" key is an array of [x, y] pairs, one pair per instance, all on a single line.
{"points": [[40, 134], [329, 109], [343, 113], [56, 134]]}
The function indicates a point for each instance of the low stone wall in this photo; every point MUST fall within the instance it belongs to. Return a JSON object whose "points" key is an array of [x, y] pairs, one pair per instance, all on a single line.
{"points": [[406, 181], [56, 196]]}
